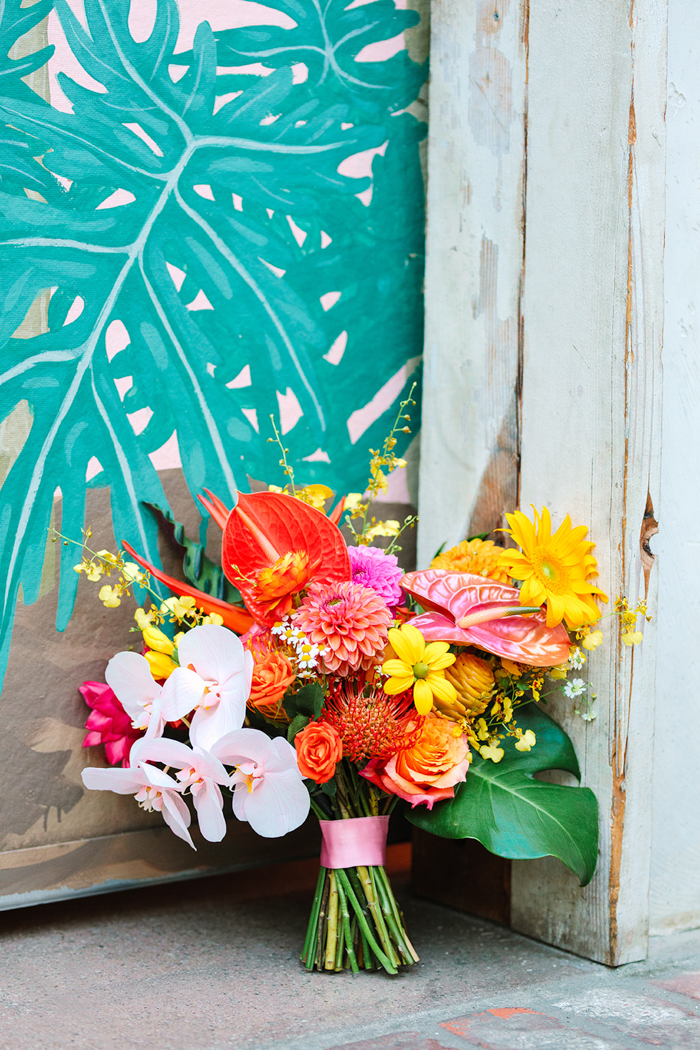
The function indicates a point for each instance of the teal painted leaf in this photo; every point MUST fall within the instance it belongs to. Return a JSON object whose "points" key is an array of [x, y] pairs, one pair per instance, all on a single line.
{"points": [[327, 37], [516, 816], [208, 265]]}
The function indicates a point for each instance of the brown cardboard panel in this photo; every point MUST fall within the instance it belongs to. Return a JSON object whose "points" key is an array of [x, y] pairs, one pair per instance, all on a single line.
{"points": [[108, 862]]}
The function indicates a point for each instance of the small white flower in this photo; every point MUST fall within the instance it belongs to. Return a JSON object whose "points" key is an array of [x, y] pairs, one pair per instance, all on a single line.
{"points": [[577, 659], [588, 716], [575, 687]]}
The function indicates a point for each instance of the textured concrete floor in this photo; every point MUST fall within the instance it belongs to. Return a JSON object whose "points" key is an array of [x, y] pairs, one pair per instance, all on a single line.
{"points": [[212, 964]]}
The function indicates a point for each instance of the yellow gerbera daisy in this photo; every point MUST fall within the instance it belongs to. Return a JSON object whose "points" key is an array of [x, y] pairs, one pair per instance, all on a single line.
{"points": [[418, 666], [555, 569], [477, 556]]}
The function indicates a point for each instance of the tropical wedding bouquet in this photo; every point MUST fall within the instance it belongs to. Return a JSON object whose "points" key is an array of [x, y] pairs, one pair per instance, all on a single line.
{"points": [[324, 678]]}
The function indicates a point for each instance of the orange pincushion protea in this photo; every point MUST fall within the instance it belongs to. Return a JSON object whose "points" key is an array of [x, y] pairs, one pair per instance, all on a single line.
{"points": [[479, 557], [370, 723], [350, 620]]}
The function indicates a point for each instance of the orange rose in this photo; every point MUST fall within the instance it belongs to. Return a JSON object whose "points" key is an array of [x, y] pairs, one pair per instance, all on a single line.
{"points": [[272, 676], [319, 749], [428, 771]]}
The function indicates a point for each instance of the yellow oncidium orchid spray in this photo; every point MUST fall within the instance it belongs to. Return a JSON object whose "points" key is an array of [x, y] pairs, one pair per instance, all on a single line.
{"points": [[418, 666]]}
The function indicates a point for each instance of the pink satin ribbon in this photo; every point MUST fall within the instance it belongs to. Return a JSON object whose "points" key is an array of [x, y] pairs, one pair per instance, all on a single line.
{"points": [[354, 842]]}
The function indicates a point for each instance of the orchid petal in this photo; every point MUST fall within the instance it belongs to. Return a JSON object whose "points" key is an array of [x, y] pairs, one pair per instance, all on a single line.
{"points": [[122, 781], [277, 806], [210, 724], [130, 678], [177, 816], [209, 804], [242, 744], [182, 692], [214, 652]]}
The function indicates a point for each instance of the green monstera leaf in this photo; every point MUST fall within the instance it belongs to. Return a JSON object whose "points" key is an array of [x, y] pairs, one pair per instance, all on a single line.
{"points": [[189, 233], [516, 816]]}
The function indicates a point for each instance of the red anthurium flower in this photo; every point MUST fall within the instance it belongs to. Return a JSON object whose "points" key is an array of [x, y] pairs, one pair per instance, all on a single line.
{"points": [[274, 546], [235, 618], [472, 610]]}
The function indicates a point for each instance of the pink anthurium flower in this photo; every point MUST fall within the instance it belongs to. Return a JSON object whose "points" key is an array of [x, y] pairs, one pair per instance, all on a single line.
{"points": [[201, 773], [129, 676], [269, 790], [151, 787], [213, 680], [465, 609]]}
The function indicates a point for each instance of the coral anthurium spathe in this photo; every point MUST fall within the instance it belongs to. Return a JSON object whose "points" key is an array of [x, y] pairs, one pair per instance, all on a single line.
{"points": [[471, 610], [555, 569], [274, 546]]}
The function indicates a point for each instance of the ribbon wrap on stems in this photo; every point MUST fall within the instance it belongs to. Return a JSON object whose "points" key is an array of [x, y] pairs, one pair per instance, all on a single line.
{"points": [[354, 842]]}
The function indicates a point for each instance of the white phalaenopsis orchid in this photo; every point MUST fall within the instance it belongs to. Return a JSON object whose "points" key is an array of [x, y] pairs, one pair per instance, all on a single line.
{"points": [[269, 790], [201, 773], [213, 680], [151, 787], [129, 676]]}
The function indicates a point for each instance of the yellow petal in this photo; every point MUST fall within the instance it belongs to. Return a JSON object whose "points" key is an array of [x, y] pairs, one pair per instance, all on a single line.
{"points": [[422, 697], [398, 669], [408, 643], [394, 686], [439, 663], [443, 689], [434, 649]]}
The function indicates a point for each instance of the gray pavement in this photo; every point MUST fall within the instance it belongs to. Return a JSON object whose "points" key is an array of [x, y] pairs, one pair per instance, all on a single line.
{"points": [[213, 964]]}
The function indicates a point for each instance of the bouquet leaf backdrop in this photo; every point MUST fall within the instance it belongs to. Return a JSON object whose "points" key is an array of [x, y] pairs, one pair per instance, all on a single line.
{"points": [[198, 304]]}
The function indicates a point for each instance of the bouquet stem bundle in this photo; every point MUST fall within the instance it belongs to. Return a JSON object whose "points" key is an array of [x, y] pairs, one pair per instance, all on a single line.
{"points": [[356, 923]]}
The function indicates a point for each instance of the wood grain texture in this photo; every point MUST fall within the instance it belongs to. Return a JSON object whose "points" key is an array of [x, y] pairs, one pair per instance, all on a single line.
{"points": [[470, 434], [593, 319], [675, 868]]}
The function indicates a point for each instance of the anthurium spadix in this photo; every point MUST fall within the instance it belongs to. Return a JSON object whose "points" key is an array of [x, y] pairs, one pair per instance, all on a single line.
{"points": [[200, 773], [152, 788], [213, 680], [269, 791], [465, 609]]}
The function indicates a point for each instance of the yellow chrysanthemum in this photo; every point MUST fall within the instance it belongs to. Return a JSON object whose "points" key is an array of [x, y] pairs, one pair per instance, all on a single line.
{"points": [[555, 569], [480, 557], [420, 667]]}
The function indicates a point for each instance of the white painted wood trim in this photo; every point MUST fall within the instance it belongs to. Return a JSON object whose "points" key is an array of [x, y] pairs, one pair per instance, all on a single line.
{"points": [[474, 267], [675, 865], [592, 152]]}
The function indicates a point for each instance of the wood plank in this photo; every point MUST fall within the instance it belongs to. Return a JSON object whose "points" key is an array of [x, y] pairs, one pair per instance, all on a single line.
{"points": [[593, 318], [461, 873], [470, 432], [674, 895]]}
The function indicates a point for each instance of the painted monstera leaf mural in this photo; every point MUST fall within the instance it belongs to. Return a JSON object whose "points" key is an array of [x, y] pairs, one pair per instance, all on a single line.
{"points": [[244, 269]]}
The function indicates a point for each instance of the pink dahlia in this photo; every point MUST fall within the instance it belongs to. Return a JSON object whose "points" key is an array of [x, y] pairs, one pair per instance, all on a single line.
{"points": [[108, 723], [350, 620], [373, 567]]}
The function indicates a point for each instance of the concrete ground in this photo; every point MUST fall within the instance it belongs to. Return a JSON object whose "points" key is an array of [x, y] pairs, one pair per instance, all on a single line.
{"points": [[213, 964]]}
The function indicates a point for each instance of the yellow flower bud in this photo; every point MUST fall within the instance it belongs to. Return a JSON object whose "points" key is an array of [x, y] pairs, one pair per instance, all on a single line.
{"points": [[161, 665], [155, 639]]}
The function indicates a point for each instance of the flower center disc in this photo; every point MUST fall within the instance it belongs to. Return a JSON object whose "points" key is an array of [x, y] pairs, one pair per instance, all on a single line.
{"points": [[421, 670]]}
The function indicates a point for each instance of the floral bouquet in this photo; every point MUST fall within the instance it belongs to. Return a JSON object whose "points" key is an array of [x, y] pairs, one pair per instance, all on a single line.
{"points": [[331, 681]]}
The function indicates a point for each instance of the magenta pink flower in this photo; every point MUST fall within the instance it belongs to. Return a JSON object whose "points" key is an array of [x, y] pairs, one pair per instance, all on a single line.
{"points": [[108, 723], [373, 567]]}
